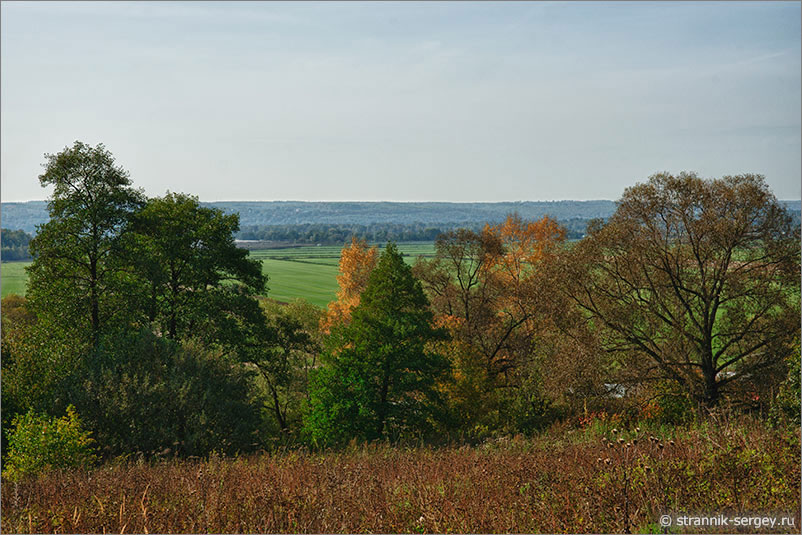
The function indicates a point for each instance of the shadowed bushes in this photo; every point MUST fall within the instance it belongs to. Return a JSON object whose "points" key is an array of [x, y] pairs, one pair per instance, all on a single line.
{"points": [[151, 395]]}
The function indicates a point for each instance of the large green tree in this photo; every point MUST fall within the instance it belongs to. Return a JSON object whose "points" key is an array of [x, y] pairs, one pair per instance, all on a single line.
{"points": [[78, 277], [380, 375], [180, 385], [140, 311], [198, 281], [692, 280]]}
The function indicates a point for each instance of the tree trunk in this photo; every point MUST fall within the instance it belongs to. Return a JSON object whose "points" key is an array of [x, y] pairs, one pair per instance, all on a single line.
{"points": [[173, 325], [382, 415], [282, 422], [711, 392], [93, 302], [153, 303]]}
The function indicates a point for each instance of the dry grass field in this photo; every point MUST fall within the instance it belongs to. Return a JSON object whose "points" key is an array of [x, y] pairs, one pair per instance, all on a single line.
{"points": [[581, 481]]}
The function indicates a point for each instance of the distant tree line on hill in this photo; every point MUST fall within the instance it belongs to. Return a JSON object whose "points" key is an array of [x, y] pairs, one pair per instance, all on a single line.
{"points": [[333, 223], [27, 215], [428, 213], [338, 234], [15, 244]]}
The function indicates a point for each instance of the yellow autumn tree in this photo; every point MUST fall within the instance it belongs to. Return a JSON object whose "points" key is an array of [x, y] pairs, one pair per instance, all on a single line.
{"points": [[488, 288], [526, 247], [524, 244], [356, 263]]}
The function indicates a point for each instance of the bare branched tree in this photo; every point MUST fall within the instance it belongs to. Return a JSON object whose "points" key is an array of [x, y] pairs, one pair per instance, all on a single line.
{"points": [[692, 280]]}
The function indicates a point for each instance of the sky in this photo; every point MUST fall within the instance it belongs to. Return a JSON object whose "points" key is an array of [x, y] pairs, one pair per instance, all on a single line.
{"points": [[430, 101]]}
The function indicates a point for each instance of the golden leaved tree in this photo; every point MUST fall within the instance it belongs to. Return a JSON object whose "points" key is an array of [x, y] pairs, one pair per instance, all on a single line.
{"points": [[490, 290], [356, 263]]}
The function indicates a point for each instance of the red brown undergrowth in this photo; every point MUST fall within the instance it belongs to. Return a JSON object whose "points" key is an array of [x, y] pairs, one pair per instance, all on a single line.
{"points": [[573, 483]]}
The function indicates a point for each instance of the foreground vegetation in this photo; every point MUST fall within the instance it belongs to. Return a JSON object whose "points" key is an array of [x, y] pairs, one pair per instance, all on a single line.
{"points": [[563, 481]]}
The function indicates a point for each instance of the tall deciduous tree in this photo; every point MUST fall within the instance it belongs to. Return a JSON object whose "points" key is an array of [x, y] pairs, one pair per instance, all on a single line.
{"points": [[489, 289], [198, 279], [289, 354], [380, 375], [485, 286], [693, 280], [78, 277]]}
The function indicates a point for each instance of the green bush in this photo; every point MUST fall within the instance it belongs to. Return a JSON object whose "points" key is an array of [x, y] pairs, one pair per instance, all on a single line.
{"points": [[38, 443], [147, 394], [530, 411]]}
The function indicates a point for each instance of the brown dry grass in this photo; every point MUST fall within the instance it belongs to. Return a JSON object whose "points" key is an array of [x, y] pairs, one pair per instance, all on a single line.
{"points": [[564, 484]]}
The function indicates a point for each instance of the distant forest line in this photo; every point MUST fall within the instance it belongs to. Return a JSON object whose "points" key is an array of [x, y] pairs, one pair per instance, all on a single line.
{"points": [[26, 215], [334, 223]]}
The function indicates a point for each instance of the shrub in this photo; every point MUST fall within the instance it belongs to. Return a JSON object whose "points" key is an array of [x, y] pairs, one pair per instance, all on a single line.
{"points": [[38, 443], [528, 409], [155, 396], [670, 405]]}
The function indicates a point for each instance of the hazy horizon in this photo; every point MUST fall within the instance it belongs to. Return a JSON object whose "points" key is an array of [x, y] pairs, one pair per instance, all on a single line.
{"points": [[404, 102]]}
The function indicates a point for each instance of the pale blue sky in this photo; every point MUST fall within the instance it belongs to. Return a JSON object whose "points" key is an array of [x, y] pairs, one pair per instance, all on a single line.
{"points": [[408, 102]]}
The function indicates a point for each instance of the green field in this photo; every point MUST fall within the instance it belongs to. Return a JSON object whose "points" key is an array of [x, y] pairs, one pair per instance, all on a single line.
{"points": [[13, 277], [295, 272]]}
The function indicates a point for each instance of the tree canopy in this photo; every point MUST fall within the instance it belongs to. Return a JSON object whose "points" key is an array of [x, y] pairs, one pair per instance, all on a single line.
{"points": [[190, 263], [356, 263], [146, 317], [78, 276], [140, 314], [693, 280]]}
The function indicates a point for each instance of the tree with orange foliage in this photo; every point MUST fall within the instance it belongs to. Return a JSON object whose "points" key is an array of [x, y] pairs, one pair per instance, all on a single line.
{"points": [[525, 244], [489, 290], [356, 264], [485, 285]]}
